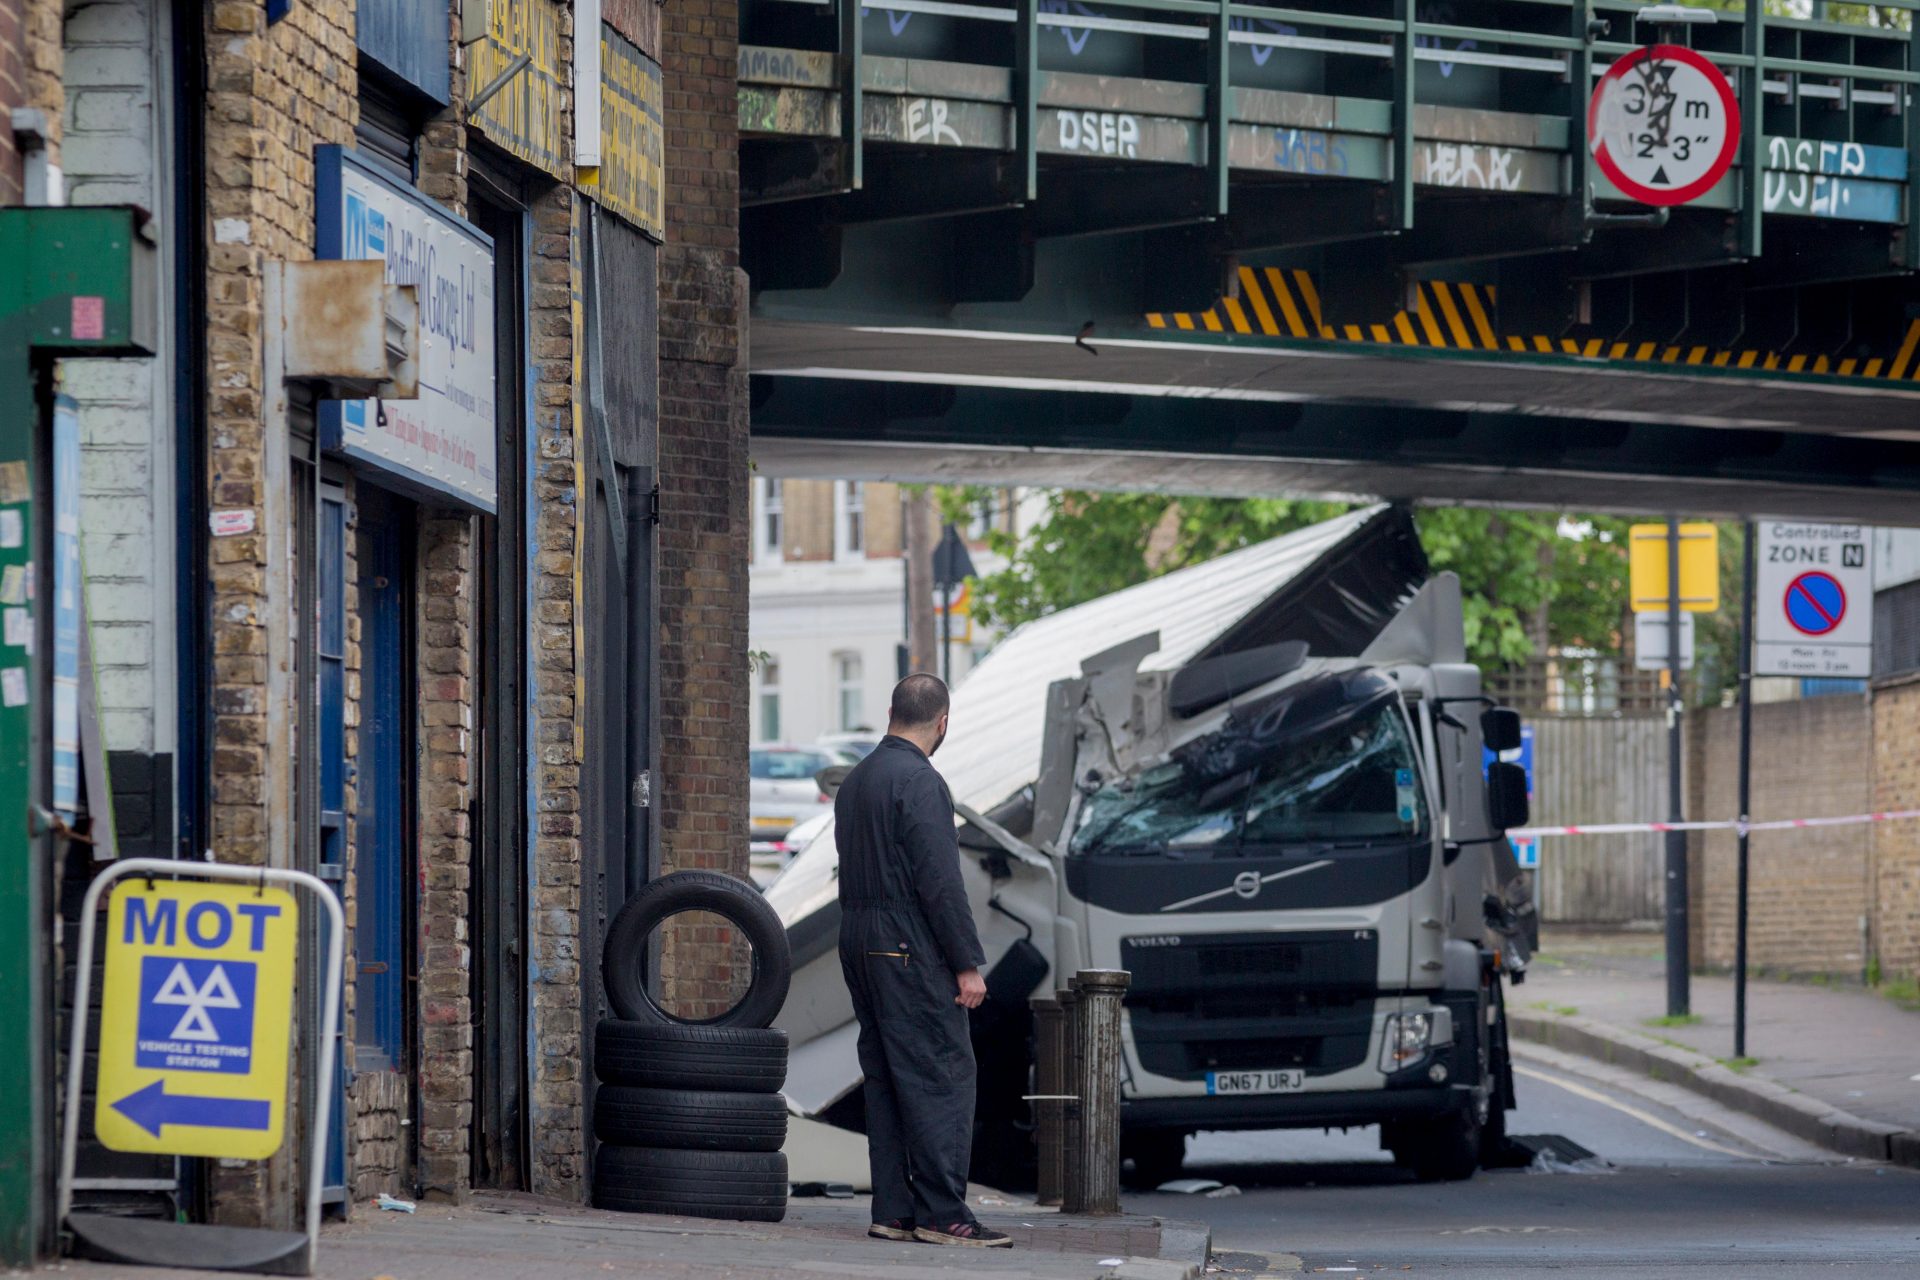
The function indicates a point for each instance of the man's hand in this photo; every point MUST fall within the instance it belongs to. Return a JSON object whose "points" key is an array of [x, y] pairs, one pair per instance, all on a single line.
{"points": [[973, 988]]}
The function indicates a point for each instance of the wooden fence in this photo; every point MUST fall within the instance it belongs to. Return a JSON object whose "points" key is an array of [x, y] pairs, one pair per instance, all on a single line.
{"points": [[1599, 769]]}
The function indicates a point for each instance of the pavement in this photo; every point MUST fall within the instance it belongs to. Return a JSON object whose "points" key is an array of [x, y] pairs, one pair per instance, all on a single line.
{"points": [[508, 1237], [1837, 1065]]}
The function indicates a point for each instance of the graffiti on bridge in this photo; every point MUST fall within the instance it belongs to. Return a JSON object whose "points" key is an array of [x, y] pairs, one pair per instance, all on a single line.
{"points": [[1833, 179]]}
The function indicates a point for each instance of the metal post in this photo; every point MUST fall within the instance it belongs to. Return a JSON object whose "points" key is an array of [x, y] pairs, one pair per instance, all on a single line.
{"points": [[1101, 991], [946, 635], [1748, 572], [1072, 1150], [1050, 1048], [1678, 978], [642, 727]]}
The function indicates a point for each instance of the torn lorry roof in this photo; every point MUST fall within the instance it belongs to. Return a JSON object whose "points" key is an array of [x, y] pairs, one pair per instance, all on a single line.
{"points": [[995, 741]]}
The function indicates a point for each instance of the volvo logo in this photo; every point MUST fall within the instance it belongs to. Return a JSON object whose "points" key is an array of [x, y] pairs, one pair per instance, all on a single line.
{"points": [[1162, 940], [1247, 884]]}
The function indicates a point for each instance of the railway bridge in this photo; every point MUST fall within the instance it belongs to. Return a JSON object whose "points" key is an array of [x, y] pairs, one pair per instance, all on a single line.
{"points": [[1363, 247]]}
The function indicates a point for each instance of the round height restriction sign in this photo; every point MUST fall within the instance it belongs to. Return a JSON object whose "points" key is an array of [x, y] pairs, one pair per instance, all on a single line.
{"points": [[1663, 124]]}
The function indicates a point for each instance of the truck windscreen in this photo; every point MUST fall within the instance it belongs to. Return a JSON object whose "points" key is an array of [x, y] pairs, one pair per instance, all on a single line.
{"points": [[1353, 782]]}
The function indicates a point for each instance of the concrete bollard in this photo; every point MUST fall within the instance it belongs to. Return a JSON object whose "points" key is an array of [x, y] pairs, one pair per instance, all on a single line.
{"points": [[1093, 1177], [1049, 1079]]}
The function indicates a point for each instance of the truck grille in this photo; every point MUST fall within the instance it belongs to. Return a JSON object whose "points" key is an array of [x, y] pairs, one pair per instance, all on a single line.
{"points": [[1223, 1002]]}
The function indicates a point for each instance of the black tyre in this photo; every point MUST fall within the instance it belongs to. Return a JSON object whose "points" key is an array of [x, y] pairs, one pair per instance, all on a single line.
{"points": [[1442, 1150], [741, 1185], [1157, 1155], [725, 1059], [623, 961], [690, 1119]]}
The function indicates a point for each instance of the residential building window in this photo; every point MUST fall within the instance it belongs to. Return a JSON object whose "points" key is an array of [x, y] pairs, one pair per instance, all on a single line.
{"points": [[770, 699], [856, 516], [984, 513], [849, 677], [772, 518]]}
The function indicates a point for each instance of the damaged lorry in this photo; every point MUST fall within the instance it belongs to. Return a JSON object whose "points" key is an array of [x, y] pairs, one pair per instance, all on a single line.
{"points": [[1270, 788]]}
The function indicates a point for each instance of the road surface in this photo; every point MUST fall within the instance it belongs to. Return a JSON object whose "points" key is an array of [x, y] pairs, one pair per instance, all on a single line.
{"points": [[1690, 1190]]}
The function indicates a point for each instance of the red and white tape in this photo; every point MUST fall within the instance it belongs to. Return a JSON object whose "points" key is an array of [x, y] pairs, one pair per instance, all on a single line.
{"points": [[1782, 824]]}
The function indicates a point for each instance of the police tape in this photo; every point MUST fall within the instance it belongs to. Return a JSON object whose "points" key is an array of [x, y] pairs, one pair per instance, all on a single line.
{"points": [[1735, 825]]}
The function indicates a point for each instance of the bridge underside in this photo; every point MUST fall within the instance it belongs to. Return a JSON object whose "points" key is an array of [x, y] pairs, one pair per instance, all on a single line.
{"points": [[1202, 416]]}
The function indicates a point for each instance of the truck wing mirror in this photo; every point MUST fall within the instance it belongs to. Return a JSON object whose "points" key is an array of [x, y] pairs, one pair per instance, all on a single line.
{"points": [[1506, 795], [1500, 729]]}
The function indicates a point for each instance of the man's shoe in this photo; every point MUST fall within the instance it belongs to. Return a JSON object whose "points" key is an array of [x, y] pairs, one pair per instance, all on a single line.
{"points": [[892, 1229], [969, 1235]]}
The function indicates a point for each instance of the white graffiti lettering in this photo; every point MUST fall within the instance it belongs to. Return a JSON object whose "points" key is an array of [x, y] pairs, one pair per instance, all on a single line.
{"points": [[1102, 133], [1806, 176], [1467, 165], [927, 122]]}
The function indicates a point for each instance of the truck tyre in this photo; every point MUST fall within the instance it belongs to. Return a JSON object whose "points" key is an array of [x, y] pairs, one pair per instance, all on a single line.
{"points": [[746, 1186], [730, 1059], [1157, 1155], [689, 1119], [1446, 1149], [623, 959]]}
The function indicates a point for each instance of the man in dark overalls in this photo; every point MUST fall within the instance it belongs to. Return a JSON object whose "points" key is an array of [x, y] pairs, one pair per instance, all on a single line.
{"points": [[912, 959]]}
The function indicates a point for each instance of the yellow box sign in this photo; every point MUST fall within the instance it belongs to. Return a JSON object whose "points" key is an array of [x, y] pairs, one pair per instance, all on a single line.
{"points": [[631, 179], [196, 1015], [1699, 568], [525, 117]]}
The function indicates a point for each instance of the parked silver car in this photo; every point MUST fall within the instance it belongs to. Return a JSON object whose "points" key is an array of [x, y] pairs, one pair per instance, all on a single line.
{"points": [[784, 792]]}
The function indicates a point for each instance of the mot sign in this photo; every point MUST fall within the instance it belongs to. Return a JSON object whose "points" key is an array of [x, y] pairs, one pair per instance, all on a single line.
{"points": [[196, 1014], [1813, 600], [1663, 125]]}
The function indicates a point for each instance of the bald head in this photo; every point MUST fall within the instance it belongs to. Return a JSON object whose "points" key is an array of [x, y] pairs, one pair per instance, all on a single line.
{"points": [[919, 711]]}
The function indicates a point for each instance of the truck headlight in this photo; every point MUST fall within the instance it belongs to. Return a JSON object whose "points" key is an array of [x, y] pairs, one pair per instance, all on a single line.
{"points": [[1408, 1037]]}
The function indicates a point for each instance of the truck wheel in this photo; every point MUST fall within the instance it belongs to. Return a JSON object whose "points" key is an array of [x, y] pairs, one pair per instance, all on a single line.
{"points": [[1157, 1155], [1443, 1150]]}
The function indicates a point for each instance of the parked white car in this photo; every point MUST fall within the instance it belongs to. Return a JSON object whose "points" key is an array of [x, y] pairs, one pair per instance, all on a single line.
{"points": [[766, 859], [784, 792], [855, 745]]}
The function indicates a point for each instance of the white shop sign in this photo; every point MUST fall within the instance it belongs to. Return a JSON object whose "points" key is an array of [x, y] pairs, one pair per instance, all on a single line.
{"points": [[445, 440]]}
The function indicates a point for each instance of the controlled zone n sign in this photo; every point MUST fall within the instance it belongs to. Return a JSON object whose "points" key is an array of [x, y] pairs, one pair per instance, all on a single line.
{"points": [[196, 1019], [1663, 125]]}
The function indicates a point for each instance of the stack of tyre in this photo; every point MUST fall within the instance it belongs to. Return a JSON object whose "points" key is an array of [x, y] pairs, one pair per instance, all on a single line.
{"points": [[689, 1113]]}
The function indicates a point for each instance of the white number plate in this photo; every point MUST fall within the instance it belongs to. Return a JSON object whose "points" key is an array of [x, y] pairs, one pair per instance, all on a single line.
{"points": [[1284, 1081]]}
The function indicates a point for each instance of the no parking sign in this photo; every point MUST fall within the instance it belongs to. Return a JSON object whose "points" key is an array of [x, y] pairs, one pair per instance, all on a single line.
{"points": [[1813, 600]]}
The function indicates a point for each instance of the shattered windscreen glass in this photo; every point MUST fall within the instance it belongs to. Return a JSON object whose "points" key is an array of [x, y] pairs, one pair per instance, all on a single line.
{"points": [[1331, 763]]}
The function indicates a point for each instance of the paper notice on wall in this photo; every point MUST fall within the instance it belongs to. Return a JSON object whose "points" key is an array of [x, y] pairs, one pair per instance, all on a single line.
{"points": [[19, 629], [13, 584], [13, 687], [13, 482], [13, 529]]}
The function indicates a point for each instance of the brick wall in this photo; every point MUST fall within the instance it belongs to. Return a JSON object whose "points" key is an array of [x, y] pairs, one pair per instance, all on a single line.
{"points": [[1896, 845], [704, 545], [1808, 888], [884, 525], [807, 531]]}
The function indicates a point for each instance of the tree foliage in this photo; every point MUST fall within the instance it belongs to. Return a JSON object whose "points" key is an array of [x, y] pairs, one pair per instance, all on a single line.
{"points": [[1530, 580]]}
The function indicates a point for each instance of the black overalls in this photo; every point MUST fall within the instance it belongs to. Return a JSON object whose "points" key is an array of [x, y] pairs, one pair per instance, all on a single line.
{"points": [[905, 931]]}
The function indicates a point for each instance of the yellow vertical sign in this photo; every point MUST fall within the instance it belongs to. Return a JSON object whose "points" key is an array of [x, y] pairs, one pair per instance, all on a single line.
{"points": [[196, 1015], [1699, 567]]}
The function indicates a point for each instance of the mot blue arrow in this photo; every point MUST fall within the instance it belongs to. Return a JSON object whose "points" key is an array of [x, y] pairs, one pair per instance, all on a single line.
{"points": [[153, 1108]]}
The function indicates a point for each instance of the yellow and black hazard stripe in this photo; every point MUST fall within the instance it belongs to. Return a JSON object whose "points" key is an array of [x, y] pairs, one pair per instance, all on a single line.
{"points": [[1284, 303]]}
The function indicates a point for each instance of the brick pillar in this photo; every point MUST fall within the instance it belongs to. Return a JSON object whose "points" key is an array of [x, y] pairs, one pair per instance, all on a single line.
{"points": [[704, 480], [446, 602], [273, 95], [555, 1106]]}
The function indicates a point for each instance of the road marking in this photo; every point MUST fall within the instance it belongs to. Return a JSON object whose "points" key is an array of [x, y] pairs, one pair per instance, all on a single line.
{"points": [[1652, 1121]]}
